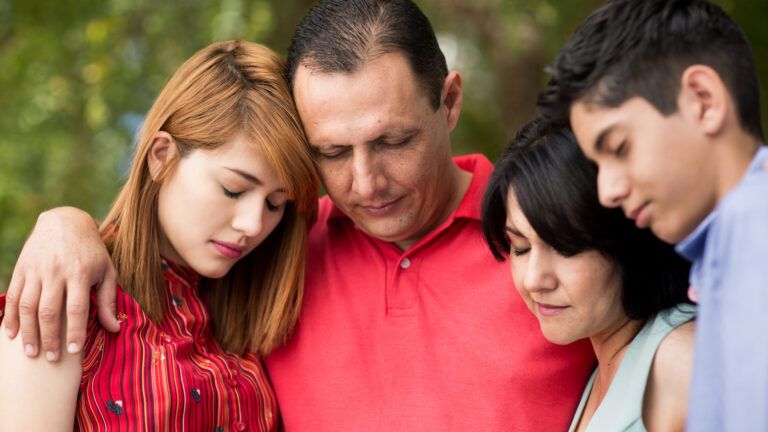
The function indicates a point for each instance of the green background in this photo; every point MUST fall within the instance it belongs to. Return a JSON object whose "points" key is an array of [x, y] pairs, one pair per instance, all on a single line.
{"points": [[76, 77]]}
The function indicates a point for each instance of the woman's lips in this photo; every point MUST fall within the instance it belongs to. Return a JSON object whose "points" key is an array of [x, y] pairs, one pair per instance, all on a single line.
{"points": [[550, 310]]}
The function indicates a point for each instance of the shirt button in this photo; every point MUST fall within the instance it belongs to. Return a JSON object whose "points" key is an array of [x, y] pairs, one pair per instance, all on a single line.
{"points": [[405, 263], [240, 426], [233, 383]]}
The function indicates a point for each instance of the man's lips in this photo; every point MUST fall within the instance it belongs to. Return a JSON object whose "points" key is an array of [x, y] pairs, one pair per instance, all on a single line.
{"points": [[379, 208]]}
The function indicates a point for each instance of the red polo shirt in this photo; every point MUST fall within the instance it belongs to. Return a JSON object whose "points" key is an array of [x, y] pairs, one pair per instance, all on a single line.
{"points": [[435, 338]]}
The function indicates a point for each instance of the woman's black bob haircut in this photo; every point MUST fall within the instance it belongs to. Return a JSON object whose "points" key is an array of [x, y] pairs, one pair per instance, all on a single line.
{"points": [[556, 188]]}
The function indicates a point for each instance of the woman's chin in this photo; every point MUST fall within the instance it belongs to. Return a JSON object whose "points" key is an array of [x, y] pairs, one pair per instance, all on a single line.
{"points": [[559, 338]]}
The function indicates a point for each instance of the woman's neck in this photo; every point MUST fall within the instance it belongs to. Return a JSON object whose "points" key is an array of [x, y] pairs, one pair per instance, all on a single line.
{"points": [[610, 347], [610, 344]]}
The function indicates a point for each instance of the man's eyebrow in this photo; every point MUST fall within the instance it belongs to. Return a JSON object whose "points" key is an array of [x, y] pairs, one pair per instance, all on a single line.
{"points": [[397, 134], [320, 148]]}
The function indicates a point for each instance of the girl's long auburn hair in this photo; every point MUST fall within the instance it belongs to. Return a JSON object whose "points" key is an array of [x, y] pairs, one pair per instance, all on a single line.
{"points": [[225, 90]]}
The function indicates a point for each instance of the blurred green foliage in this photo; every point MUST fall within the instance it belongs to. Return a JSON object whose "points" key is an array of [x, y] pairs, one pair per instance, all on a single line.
{"points": [[76, 77]]}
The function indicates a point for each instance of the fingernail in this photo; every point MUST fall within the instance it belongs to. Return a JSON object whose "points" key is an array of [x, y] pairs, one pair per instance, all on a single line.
{"points": [[29, 349], [1, 314], [73, 348], [8, 332], [50, 355]]}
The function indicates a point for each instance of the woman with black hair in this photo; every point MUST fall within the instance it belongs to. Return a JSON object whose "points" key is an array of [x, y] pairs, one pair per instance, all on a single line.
{"points": [[586, 272]]}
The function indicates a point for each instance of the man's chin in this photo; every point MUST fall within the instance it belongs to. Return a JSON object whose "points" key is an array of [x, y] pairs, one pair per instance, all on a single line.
{"points": [[382, 232]]}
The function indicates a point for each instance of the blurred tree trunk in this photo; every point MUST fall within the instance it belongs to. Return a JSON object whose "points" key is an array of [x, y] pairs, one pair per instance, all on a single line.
{"points": [[517, 69]]}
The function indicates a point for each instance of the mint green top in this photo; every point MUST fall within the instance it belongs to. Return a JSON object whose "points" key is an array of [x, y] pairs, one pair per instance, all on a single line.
{"points": [[622, 407]]}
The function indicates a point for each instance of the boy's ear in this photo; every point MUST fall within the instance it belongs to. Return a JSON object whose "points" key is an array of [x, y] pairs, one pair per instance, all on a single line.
{"points": [[705, 98], [161, 152]]}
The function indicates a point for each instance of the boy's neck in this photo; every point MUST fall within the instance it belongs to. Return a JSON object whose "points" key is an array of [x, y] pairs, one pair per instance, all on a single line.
{"points": [[734, 154]]}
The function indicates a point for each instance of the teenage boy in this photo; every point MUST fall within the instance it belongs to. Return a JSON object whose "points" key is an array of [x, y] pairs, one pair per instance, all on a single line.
{"points": [[663, 96]]}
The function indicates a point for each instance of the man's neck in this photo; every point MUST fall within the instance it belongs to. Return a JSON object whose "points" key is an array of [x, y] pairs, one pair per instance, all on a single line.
{"points": [[456, 186]]}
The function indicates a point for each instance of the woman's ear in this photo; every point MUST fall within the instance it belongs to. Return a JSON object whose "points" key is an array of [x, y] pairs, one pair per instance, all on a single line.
{"points": [[161, 152]]}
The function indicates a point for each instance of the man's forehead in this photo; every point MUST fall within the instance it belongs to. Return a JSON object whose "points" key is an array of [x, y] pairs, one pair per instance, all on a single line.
{"points": [[341, 109]]}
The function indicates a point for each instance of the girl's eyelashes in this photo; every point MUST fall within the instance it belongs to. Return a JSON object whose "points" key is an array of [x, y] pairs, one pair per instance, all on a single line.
{"points": [[230, 194]]}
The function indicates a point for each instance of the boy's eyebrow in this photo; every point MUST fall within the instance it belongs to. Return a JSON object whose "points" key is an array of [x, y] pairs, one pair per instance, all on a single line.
{"points": [[601, 138]]}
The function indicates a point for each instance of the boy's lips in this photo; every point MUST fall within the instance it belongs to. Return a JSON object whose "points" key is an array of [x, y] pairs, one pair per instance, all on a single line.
{"points": [[640, 215]]}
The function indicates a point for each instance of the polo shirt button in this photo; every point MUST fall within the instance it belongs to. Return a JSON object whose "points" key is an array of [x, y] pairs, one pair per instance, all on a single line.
{"points": [[405, 263], [240, 426]]}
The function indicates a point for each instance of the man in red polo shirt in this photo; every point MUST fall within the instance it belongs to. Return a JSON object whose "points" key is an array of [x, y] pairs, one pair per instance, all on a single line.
{"points": [[408, 322]]}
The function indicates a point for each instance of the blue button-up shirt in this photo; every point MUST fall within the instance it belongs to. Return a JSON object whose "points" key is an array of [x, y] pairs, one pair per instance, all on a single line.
{"points": [[729, 252]]}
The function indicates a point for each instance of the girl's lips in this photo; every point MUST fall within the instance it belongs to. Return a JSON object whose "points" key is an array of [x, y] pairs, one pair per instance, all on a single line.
{"points": [[228, 250], [550, 310]]}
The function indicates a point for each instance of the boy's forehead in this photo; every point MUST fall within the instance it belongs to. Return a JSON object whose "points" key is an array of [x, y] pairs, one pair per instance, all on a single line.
{"points": [[592, 123]]}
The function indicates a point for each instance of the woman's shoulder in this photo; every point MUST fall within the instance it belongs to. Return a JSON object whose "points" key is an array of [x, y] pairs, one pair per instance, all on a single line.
{"points": [[666, 395]]}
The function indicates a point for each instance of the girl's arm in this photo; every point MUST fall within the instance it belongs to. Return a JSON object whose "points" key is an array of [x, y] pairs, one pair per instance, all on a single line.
{"points": [[35, 394]]}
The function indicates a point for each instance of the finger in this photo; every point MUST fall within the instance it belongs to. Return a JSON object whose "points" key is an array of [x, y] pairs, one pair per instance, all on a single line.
{"points": [[106, 301], [28, 302], [11, 315], [78, 303], [49, 314]]}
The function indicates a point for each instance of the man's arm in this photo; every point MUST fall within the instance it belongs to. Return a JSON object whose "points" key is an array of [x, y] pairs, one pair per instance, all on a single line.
{"points": [[62, 259]]}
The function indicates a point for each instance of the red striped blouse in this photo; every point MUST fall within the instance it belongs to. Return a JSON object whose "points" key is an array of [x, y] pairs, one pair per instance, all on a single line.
{"points": [[169, 376]]}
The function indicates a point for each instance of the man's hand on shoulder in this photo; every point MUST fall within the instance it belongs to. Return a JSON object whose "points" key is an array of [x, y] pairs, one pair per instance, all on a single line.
{"points": [[61, 261]]}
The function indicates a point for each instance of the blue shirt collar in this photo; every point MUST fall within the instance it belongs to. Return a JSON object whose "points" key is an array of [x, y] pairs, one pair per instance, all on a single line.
{"points": [[692, 247]]}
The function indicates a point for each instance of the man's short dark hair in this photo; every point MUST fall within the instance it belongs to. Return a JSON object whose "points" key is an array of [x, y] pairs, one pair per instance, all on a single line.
{"points": [[640, 48], [556, 188], [341, 36]]}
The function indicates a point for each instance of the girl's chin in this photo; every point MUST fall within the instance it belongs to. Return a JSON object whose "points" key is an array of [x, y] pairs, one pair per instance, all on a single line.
{"points": [[213, 272]]}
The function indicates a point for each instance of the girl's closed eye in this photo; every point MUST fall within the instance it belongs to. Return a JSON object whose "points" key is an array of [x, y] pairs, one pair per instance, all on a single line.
{"points": [[231, 194]]}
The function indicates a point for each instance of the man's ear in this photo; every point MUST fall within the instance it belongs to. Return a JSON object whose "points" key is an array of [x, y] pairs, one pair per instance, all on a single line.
{"points": [[161, 152], [705, 99], [451, 98]]}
